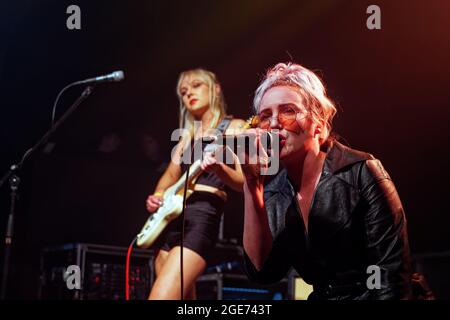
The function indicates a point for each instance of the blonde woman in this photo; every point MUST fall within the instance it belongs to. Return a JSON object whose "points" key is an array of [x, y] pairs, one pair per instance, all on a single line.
{"points": [[201, 100]]}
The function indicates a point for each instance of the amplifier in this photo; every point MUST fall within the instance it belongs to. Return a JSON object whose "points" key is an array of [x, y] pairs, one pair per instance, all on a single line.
{"points": [[101, 271], [226, 286]]}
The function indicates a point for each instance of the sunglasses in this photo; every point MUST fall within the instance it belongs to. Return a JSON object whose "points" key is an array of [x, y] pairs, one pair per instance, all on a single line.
{"points": [[286, 117]]}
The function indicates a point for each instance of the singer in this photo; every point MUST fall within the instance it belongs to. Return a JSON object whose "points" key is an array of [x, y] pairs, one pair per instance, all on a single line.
{"points": [[201, 99], [332, 212]]}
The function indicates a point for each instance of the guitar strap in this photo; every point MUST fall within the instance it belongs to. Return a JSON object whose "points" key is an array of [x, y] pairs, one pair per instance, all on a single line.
{"points": [[223, 125]]}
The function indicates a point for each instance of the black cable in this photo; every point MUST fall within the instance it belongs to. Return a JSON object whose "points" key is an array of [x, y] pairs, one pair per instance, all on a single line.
{"points": [[183, 221], [59, 96], [193, 142], [182, 230]]}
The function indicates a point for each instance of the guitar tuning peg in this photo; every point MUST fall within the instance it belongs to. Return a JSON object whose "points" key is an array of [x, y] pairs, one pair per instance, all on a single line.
{"points": [[252, 122]]}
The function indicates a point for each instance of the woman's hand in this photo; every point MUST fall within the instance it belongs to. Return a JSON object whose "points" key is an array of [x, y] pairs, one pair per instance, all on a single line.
{"points": [[154, 201], [255, 160], [210, 163]]}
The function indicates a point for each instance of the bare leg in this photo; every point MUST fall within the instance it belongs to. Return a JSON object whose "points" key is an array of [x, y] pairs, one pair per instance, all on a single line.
{"points": [[167, 285], [160, 260]]}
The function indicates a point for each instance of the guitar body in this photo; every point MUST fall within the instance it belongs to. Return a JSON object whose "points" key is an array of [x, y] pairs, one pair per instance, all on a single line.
{"points": [[170, 209], [159, 220]]}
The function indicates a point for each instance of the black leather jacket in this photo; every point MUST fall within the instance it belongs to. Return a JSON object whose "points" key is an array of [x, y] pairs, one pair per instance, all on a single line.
{"points": [[356, 220]]}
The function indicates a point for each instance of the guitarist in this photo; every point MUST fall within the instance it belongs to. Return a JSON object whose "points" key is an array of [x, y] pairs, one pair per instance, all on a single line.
{"points": [[201, 99]]}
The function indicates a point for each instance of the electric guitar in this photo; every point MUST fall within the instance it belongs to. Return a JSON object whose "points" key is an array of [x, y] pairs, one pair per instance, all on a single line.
{"points": [[172, 204]]}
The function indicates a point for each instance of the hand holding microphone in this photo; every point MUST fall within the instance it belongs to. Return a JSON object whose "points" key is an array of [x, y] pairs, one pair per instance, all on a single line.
{"points": [[254, 155], [257, 149]]}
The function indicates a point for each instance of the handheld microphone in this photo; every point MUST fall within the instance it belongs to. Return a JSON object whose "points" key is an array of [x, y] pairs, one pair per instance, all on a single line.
{"points": [[268, 139], [112, 77], [244, 144]]}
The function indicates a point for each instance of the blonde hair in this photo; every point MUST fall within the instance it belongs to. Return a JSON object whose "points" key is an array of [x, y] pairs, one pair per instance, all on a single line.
{"points": [[307, 83], [216, 99]]}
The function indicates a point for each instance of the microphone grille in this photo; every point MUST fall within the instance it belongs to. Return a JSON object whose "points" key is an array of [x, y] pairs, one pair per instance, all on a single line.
{"points": [[118, 75]]}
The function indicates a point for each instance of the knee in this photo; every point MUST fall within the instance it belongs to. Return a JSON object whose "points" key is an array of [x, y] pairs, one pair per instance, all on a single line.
{"points": [[160, 260]]}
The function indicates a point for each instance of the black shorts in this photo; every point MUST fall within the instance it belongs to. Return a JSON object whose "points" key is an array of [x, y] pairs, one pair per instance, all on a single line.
{"points": [[201, 228]]}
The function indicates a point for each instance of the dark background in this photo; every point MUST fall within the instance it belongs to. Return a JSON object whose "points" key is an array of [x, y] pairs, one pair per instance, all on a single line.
{"points": [[390, 86]]}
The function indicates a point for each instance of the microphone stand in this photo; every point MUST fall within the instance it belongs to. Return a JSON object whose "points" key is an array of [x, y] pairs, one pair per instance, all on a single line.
{"points": [[14, 182]]}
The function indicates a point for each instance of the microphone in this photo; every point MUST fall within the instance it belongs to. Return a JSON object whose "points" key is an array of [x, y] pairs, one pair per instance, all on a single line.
{"points": [[269, 140], [244, 144], [112, 77]]}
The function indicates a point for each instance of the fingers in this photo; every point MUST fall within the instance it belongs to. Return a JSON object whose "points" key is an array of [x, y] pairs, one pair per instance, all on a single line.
{"points": [[209, 163], [151, 208], [254, 137], [153, 203], [254, 132], [256, 159]]}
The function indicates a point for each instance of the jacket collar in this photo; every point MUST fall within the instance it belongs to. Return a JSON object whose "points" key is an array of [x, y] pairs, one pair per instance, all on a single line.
{"points": [[279, 194], [338, 157]]}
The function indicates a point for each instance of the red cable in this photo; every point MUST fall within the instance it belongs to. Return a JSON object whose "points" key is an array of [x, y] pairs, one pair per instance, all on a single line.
{"points": [[127, 271]]}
